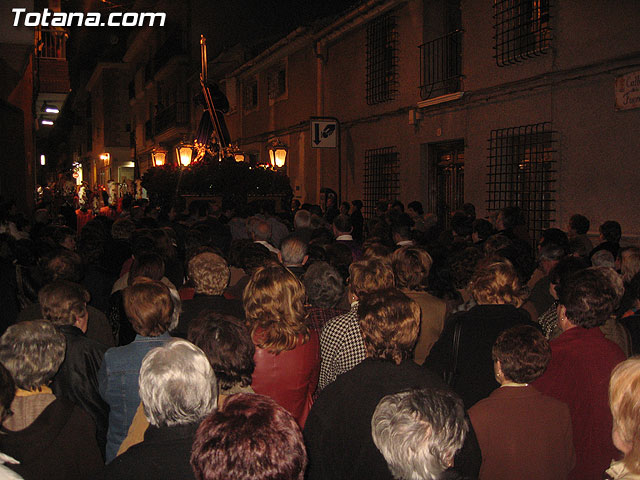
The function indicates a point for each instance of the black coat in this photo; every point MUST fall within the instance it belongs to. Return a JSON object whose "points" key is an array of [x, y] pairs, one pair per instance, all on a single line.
{"points": [[338, 429], [59, 445], [163, 455], [77, 378], [480, 328]]}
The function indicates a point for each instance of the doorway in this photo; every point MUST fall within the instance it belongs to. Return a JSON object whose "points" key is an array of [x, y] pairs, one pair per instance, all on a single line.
{"points": [[445, 179]]}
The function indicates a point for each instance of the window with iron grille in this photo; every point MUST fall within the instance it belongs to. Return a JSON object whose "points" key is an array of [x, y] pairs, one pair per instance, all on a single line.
{"points": [[277, 82], [382, 59], [521, 30], [380, 177], [522, 173], [250, 94]]}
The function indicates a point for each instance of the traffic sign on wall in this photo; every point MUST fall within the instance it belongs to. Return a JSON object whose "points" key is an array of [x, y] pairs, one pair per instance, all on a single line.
{"points": [[324, 132]]}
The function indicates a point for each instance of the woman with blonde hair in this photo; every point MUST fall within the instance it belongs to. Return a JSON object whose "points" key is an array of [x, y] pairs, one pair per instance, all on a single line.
{"points": [[287, 352], [463, 353], [624, 392]]}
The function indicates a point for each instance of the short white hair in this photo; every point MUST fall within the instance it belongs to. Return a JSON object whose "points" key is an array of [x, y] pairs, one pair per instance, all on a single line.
{"points": [[177, 384], [419, 432]]}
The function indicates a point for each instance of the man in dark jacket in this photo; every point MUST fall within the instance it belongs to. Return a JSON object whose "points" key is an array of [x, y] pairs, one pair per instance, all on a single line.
{"points": [[65, 305], [338, 430]]}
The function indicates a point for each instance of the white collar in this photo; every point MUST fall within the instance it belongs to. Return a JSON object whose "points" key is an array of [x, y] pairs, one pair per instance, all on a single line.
{"points": [[344, 236]]}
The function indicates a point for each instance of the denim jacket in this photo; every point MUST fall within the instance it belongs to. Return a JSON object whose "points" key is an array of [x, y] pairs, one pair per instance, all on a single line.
{"points": [[118, 383]]}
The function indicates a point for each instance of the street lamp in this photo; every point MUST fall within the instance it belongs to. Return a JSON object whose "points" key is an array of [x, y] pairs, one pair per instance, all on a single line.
{"points": [[183, 154], [106, 158], [159, 157], [277, 154]]}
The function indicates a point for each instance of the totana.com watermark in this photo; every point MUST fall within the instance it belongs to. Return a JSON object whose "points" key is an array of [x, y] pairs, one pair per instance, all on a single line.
{"points": [[90, 19]]}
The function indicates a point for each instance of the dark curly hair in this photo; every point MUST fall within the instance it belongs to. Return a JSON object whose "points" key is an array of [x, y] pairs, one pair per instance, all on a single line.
{"points": [[589, 298], [227, 344], [523, 353]]}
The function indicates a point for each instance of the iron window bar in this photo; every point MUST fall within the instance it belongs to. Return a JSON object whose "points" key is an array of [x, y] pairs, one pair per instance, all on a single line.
{"points": [[521, 30], [381, 180], [522, 172], [382, 59], [441, 64]]}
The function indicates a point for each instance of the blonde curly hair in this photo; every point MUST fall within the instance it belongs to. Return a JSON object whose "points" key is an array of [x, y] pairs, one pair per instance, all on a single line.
{"points": [[495, 282]]}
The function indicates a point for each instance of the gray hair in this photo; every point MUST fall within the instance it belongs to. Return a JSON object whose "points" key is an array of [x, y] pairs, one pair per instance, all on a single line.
{"points": [[302, 219], [177, 384], [32, 351], [603, 258], [551, 252], [616, 282], [293, 250], [323, 284], [419, 431]]}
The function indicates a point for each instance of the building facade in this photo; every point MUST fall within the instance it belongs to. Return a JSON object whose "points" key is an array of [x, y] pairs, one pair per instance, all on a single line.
{"points": [[527, 102]]}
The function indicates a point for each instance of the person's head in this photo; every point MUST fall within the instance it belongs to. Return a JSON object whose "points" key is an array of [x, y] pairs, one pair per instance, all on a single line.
{"points": [[274, 307], [376, 251], [227, 344], [611, 231], [400, 232], [415, 208], [177, 384], [624, 395], [254, 255], [149, 265], [495, 282], [521, 354], [549, 254], [209, 273], [389, 323], [463, 265], [250, 437], [508, 218], [62, 264], [323, 284], [7, 393], [65, 237], [342, 225], [293, 251], [578, 225], [629, 262], [563, 270], [357, 204], [149, 307], [587, 299], [481, 229], [122, 229], [64, 303], [302, 219], [32, 351], [259, 229], [344, 208], [419, 431], [554, 236], [603, 258], [411, 266], [368, 276]]}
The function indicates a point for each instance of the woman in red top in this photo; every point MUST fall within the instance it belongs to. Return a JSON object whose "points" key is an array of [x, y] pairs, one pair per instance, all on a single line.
{"points": [[287, 352]]}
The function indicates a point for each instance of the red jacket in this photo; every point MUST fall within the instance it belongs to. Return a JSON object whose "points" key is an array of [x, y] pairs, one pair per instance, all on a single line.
{"points": [[578, 375], [290, 377]]}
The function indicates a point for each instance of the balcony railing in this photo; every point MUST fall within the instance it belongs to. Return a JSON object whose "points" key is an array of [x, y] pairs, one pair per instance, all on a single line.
{"points": [[51, 43], [441, 65], [176, 115], [175, 45]]}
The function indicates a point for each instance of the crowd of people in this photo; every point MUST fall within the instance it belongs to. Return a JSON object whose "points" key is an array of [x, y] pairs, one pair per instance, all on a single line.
{"points": [[234, 341]]}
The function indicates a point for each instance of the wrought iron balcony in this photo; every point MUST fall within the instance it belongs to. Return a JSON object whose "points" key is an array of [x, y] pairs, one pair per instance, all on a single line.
{"points": [[51, 43], [176, 115], [441, 65]]}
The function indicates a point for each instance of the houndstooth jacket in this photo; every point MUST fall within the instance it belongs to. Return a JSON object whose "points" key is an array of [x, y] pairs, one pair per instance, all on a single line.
{"points": [[341, 346]]}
